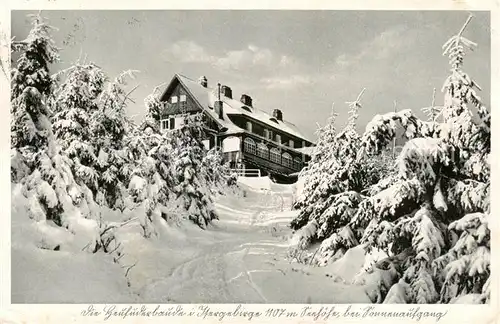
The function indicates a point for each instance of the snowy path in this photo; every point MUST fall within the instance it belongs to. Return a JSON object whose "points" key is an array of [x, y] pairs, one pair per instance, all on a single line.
{"points": [[242, 260]]}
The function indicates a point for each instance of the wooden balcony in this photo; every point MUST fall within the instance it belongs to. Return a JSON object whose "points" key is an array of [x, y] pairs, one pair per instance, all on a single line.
{"points": [[268, 165]]}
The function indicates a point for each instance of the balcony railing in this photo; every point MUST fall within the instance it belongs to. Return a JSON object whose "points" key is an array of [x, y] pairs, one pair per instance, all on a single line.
{"points": [[267, 164], [247, 172]]}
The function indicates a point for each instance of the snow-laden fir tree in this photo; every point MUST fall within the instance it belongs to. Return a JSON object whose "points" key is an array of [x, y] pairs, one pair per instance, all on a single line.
{"points": [[433, 218], [52, 192], [333, 185], [109, 125], [31, 86], [316, 186], [76, 101]]}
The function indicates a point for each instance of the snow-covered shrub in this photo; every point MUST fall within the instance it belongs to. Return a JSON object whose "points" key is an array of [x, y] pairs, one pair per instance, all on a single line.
{"points": [[152, 182], [192, 191], [217, 173], [305, 235]]}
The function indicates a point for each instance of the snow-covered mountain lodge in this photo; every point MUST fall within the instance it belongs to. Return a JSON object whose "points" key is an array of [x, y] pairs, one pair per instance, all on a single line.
{"points": [[251, 138]]}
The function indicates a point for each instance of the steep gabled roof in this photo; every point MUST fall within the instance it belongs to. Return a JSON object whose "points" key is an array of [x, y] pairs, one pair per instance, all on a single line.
{"points": [[199, 94], [206, 98]]}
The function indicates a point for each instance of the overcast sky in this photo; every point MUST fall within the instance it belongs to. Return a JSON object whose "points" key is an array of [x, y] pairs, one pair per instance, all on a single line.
{"points": [[298, 61]]}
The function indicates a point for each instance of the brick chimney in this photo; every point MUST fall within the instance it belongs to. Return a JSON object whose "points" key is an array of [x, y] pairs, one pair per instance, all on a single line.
{"points": [[218, 103], [203, 81], [246, 100], [218, 109], [278, 114], [227, 92]]}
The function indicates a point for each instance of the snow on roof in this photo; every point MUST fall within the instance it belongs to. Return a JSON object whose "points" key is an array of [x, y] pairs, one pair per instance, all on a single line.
{"points": [[203, 97], [207, 96]]}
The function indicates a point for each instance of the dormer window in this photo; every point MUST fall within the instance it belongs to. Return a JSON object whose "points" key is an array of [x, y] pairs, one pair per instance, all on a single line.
{"points": [[182, 98], [173, 99]]}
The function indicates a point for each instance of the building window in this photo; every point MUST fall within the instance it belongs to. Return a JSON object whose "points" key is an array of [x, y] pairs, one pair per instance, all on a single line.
{"points": [[182, 98], [249, 145], [275, 156], [172, 123], [164, 124], [270, 134], [249, 126], [262, 151], [297, 163], [278, 138], [173, 99], [286, 159]]}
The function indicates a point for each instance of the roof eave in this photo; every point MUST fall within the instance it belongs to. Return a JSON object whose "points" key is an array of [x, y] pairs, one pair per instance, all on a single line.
{"points": [[269, 125]]}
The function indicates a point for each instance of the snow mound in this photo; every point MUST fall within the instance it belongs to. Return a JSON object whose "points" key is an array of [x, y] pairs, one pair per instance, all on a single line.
{"points": [[467, 299], [55, 276], [256, 182], [349, 264]]}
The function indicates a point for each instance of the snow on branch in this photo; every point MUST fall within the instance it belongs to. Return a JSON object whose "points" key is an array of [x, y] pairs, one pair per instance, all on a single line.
{"points": [[305, 235], [391, 203], [433, 111], [455, 46], [473, 221], [116, 93], [379, 234], [469, 196], [424, 159], [428, 238], [340, 241], [339, 213], [354, 106], [381, 130]]}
